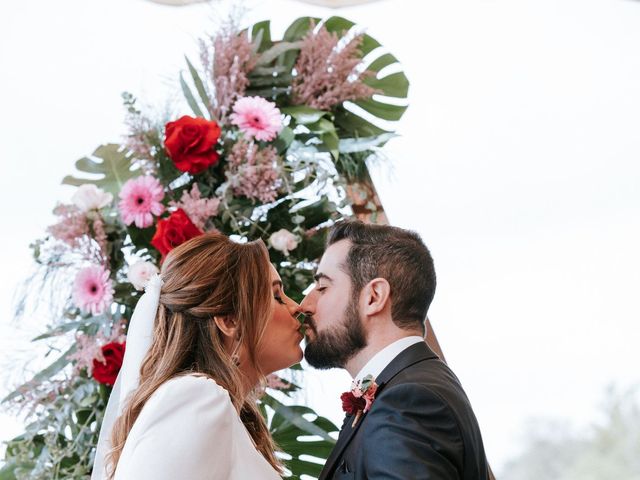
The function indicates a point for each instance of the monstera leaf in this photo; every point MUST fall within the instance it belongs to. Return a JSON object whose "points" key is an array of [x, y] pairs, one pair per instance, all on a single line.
{"points": [[109, 166], [300, 438]]}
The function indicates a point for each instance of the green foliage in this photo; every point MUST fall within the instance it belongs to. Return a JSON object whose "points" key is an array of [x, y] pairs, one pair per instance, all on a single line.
{"points": [[110, 162]]}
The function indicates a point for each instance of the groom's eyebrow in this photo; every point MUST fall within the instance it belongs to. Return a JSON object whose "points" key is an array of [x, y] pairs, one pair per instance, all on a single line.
{"points": [[319, 276]]}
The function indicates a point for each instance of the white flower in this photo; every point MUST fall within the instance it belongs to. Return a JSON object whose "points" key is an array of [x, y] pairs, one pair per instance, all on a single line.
{"points": [[89, 197], [140, 273], [284, 241]]}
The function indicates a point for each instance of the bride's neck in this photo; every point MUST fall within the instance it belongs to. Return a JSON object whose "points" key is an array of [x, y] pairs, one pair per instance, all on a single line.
{"points": [[248, 382]]}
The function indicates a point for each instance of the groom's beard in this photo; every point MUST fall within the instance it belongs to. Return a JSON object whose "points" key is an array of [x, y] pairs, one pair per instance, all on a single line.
{"points": [[333, 348]]}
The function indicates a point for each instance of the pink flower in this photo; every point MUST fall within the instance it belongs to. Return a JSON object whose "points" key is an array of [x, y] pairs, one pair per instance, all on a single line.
{"points": [[257, 118], [197, 208], [92, 290], [140, 200]]}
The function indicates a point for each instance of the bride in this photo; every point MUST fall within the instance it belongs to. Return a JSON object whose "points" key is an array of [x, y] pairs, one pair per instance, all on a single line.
{"points": [[202, 337]]}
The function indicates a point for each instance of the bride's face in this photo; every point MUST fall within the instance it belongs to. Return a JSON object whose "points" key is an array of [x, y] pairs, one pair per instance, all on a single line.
{"points": [[280, 344]]}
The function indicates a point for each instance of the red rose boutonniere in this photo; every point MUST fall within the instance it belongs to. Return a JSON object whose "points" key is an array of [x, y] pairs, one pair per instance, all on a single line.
{"points": [[360, 398]]}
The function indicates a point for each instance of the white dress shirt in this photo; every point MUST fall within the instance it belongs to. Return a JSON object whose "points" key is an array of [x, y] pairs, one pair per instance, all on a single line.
{"points": [[380, 360]]}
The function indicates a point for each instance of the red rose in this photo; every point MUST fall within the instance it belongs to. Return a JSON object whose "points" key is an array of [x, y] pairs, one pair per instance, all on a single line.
{"points": [[107, 372], [352, 404], [190, 142], [172, 231]]}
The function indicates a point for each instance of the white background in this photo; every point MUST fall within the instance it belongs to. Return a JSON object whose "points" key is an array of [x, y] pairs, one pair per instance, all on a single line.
{"points": [[519, 163]]}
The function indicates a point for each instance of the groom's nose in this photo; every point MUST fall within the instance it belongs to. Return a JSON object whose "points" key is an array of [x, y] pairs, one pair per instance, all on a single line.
{"points": [[306, 307]]}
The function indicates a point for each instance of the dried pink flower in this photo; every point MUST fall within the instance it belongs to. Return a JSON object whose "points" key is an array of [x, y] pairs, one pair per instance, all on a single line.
{"points": [[257, 118], [87, 348], [228, 64], [93, 290], [253, 172], [72, 225], [327, 75], [198, 209], [140, 200], [99, 234]]}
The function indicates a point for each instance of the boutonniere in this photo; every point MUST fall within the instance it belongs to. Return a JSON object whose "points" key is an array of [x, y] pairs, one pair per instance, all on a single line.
{"points": [[360, 398]]}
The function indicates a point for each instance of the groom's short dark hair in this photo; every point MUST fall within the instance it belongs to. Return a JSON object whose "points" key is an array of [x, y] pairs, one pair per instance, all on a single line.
{"points": [[400, 256]]}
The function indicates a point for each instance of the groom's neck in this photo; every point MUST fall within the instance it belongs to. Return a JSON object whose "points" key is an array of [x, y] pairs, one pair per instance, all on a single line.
{"points": [[376, 341]]}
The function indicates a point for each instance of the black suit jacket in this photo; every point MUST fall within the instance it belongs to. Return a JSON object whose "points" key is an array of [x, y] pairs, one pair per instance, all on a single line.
{"points": [[420, 426]]}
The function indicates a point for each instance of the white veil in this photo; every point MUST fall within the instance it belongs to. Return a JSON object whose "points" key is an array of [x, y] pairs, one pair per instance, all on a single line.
{"points": [[138, 342]]}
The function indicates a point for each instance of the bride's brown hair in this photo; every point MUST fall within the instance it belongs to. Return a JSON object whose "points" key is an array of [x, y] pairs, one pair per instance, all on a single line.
{"points": [[206, 277]]}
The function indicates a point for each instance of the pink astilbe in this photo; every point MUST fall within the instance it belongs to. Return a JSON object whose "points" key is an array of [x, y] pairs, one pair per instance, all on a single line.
{"points": [[89, 348], [228, 64], [198, 209], [99, 234], [253, 172], [72, 225], [327, 75]]}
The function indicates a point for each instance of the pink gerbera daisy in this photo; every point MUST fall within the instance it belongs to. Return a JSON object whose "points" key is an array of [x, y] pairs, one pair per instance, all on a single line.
{"points": [[93, 290], [140, 200], [257, 118]]}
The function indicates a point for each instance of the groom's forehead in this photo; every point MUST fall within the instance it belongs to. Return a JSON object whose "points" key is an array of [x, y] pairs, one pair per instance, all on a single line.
{"points": [[333, 260]]}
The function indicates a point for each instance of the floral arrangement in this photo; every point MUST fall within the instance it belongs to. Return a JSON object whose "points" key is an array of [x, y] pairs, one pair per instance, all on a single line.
{"points": [[274, 148]]}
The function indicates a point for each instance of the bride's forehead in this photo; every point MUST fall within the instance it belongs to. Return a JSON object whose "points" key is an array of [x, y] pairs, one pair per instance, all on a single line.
{"points": [[273, 273]]}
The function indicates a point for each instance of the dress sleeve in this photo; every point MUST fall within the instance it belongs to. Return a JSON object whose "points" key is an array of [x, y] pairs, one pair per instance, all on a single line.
{"points": [[411, 433], [184, 431]]}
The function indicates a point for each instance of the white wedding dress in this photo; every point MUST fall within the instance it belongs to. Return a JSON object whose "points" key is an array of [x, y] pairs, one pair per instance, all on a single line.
{"points": [[189, 429]]}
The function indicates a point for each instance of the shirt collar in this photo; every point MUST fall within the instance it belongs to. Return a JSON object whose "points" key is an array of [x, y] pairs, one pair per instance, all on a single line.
{"points": [[380, 360]]}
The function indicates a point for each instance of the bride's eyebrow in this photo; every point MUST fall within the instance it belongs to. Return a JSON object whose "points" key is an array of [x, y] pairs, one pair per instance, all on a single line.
{"points": [[277, 283]]}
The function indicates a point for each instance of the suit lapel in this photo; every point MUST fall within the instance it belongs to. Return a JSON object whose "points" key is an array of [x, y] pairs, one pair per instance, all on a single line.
{"points": [[413, 354], [346, 433]]}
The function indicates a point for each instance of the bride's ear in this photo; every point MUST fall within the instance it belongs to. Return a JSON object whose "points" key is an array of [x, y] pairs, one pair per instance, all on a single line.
{"points": [[227, 325]]}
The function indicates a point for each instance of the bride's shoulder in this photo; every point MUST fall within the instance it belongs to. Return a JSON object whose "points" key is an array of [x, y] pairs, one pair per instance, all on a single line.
{"points": [[186, 391]]}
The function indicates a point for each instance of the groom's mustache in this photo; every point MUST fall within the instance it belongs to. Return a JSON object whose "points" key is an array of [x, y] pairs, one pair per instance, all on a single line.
{"points": [[308, 322]]}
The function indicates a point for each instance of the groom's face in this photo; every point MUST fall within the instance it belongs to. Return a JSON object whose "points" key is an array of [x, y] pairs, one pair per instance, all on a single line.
{"points": [[334, 329]]}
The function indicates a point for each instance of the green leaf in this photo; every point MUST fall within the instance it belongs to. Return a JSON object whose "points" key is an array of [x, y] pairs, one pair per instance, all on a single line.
{"points": [[285, 137], [45, 374], [261, 36], [274, 52], [289, 414], [190, 98], [197, 81], [113, 165]]}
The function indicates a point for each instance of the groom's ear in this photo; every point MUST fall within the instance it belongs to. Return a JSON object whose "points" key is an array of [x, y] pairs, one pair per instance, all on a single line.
{"points": [[227, 325], [377, 295]]}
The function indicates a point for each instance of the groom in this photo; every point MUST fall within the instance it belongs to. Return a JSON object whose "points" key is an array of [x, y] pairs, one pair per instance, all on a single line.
{"points": [[366, 314]]}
